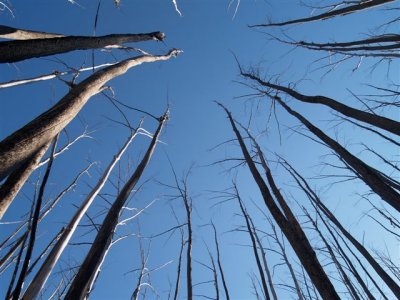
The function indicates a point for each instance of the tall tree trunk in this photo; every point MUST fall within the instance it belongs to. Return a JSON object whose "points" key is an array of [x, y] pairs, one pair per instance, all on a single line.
{"points": [[363, 116], [302, 183], [20, 146], [33, 228], [349, 9], [13, 51], [10, 188], [377, 182], [11, 33], [294, 234], [88, 270], [253, 245], [219, 263], [47, 267]]}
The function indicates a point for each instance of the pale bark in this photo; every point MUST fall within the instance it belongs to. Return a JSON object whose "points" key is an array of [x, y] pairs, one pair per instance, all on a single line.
{"points": [[33, 226], [11, 33], [14, 51], [49, 76], [19, 146], [10, 188], [90, 267], [47, 267]]}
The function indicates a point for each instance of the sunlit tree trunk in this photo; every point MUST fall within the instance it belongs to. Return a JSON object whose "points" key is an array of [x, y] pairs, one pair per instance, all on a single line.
{"points": [[47, 267], [17, 148], [11, 33], [90, 267]]}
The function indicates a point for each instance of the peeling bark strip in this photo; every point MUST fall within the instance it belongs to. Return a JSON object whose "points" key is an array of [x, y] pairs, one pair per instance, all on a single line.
{"points": [[19, 146], [293, 232], [43, 274], [13, 51], [90, 267], [22, 34], [14, 182], [362, 5], [366, 117], [370, 176]]}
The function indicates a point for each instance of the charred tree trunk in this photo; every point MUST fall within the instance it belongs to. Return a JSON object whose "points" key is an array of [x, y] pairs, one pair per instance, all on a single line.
{"points": [[302, 183], [293, 233], [363, 116], [373, 179]]}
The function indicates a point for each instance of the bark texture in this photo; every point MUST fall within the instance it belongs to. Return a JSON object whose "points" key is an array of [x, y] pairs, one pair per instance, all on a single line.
{"points": [[11, 33], [14, 51], [47, 267], [14, 182], [19, 146], [89, 269]]}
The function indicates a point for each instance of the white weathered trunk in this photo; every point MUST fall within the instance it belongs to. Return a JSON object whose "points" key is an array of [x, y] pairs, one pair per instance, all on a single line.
{"points": [[22, 144], [43, 274]]}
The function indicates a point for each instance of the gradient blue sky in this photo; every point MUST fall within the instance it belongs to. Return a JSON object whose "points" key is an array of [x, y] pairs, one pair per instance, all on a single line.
{"points": [[210, 36]]}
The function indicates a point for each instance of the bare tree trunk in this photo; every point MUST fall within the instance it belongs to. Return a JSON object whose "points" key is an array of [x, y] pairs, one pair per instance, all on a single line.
{"points": [[19, 146], [22, 34], [363, 116], [12, 250], [13, 51], [293, 233], [302, 183], [33, 228], [287, 262], [47, 267], [253, 245], [346, 280], [374, 180], [264, 259], [90, 266], [178, 271], [10, 188], [220, 264], [349, 9]]}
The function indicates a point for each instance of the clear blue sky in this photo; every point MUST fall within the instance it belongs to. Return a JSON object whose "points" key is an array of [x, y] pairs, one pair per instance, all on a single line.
{"points": [[210, 36]]}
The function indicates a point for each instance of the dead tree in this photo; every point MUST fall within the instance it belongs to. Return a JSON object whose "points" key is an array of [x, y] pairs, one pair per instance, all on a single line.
{"points": [[288, 223], [33, 227], [89, 269], [20, 146], [11, 33], [303, 184], [249, 229], [333, 11], [221, 271], [363, 116], [14, 51], [375, 180], [47, 267]]}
